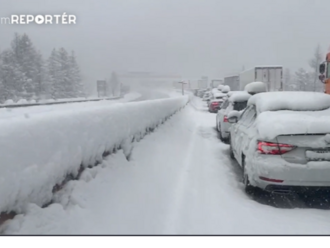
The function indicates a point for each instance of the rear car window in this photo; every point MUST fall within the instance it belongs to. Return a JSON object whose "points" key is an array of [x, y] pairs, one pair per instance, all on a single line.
{"points": [[238, 106]]}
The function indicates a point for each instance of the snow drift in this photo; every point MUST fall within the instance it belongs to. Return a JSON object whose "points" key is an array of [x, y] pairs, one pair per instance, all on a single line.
{"points": [[38, 152]]}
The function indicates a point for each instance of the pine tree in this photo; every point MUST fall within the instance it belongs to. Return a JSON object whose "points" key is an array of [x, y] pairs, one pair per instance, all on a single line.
{"points": [[12, 77], [54, 68], [43, 89], [66, 85], [76, 76], [29, 62], [303, 80]]}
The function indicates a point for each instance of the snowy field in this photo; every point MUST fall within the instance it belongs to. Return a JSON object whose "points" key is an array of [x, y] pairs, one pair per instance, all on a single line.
{"points": [[27, 111], [180, 180]]}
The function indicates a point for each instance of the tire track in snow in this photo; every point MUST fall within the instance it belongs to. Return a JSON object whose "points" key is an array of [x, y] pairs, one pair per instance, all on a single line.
{"points": [[181, 186]]}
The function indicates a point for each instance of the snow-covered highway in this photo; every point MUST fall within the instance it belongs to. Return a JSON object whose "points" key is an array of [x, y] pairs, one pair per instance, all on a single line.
{"points": [[179, 180]]}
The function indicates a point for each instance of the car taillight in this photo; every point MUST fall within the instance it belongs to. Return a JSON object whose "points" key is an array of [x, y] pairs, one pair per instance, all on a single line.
{"points": [[274, 148], [214, 103], [225, 119]]}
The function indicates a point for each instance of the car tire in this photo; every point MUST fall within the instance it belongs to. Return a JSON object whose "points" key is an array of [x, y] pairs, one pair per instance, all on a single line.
{"points": [[220, 133], [248, 188], [232, 156]]}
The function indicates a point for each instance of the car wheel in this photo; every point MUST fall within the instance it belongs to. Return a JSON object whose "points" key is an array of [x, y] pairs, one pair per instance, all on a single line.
{"points": [[220, 133], [249, 189], [232, 156]]}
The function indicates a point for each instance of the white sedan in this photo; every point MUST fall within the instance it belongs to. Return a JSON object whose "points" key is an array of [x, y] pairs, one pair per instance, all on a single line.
{"points": [[282, 142], [236, 101]]}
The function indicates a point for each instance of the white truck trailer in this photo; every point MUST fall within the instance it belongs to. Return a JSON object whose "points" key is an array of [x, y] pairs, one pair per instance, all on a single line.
{"points": [[271, 75], [232, 81]]}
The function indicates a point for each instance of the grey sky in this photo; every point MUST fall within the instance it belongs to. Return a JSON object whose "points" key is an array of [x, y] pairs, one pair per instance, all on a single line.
{"points": [[188, 37]]}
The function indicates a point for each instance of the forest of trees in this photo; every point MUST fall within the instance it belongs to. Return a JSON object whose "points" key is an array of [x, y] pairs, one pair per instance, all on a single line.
{"points": [[25, 74], [305, 79]]}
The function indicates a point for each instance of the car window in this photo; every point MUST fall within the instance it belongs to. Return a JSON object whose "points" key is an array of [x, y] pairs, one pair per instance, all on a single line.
{"points": [[225, 104], [240, 105], [248, 116]]}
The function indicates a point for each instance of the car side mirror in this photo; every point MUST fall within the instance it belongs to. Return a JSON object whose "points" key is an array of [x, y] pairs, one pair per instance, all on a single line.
{"points": [[233, 119], [322, 68]]}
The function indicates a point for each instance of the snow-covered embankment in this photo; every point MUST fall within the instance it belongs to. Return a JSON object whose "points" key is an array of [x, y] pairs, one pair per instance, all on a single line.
{"points": [[40, 151]]}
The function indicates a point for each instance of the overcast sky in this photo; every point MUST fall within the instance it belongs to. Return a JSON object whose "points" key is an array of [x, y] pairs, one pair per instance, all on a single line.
{"points": [[187, 37]]}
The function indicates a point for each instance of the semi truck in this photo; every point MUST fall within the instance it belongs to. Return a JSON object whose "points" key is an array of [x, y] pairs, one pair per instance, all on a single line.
{"points": [[216, 82], [324, 75], [272, 76], [232, 81]]}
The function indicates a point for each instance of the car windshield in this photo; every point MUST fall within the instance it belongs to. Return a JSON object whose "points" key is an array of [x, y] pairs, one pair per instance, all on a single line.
{"points": [[240, 105]]}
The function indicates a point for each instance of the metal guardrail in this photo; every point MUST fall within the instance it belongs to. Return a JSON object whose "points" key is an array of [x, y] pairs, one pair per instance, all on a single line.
{"points": [[53, 103]]}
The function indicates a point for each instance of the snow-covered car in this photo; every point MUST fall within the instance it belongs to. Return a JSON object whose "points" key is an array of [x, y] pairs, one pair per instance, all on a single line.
{"points": [[237, 101], [207, 96], [214, 105], [201, 93], [225, 89], [282, 142], [216, 97]]}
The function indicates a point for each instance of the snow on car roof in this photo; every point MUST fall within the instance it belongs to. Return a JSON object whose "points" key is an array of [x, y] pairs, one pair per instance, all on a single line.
{"points": [[225, 89], [239, 96], [290, 100], [256, 87], [220, 94]]}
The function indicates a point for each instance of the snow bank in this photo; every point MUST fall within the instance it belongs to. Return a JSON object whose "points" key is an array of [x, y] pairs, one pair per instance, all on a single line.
{"points": [[10, 101], [256, 87], [225, 89], [22, 101], [39, 151], [271, 124], [239, 96], [298, 101]]}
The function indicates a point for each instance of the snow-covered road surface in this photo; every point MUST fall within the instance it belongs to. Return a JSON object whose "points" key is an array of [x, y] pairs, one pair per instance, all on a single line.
{"points": [[180, 180]]}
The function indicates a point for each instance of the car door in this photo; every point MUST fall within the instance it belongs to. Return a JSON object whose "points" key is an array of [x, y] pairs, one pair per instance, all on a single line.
{"points": [[245, 127], [238, 131]]}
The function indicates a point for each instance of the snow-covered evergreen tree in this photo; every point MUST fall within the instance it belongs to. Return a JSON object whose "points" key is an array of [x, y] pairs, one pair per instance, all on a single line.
{"points": [[31, 65], [54, 68], [76, 76], [303, 80], [12, 77], [67, 89]]}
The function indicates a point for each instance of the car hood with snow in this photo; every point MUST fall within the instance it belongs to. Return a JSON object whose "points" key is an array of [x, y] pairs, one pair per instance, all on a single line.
{"points": [[285, 113]]}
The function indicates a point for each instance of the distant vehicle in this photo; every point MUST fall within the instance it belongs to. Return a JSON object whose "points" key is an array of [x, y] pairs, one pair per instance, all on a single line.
{"points": [[236, 101], [201, 93], [232, 82], [216, 96], [271, 75], [283, 146], [216, 82], [214, 105], [207, 96]]}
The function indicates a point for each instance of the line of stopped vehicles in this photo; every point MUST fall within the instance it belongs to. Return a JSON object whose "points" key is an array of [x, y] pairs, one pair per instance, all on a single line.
{"points": [[280, 139]]}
